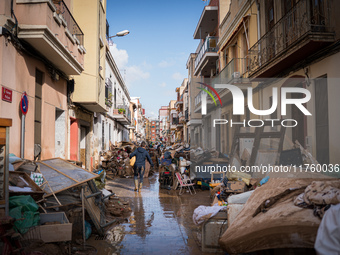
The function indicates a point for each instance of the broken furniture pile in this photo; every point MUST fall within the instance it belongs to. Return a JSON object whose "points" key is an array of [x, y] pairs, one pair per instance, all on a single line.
{"points": [[270, 210], [52, 200], [116, 161]]}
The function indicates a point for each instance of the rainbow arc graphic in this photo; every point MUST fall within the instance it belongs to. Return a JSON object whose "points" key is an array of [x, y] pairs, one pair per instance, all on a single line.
{"points": [[209, 93]]}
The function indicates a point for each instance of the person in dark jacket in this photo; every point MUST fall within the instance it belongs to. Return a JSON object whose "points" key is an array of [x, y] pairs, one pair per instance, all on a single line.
{"points": [[139, 167]]}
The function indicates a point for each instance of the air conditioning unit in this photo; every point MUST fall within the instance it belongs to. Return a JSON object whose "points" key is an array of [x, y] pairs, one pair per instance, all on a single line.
{"points": [[236, 75]]}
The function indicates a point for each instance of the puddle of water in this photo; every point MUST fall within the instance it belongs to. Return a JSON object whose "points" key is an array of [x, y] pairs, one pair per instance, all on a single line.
{"points": [[161, 221]]}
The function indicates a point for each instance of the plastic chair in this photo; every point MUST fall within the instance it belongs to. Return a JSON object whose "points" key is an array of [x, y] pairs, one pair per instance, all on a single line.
{"points": [[185, 183]]}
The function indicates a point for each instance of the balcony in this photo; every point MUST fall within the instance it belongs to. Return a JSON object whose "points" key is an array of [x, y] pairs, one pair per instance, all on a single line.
{"points": [[206, 57], [207, 23], [50, 28], [178, 103], [182, 120], [186, 115], [304, 30], [235, 69], [122, 114]]}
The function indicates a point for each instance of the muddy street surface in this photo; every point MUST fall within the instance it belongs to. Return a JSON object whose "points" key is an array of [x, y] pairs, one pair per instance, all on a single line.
{"points": [[160, 222]]}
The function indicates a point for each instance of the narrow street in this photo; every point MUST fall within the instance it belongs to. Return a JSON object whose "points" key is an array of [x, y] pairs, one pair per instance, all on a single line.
{"points": [[160, 222]]}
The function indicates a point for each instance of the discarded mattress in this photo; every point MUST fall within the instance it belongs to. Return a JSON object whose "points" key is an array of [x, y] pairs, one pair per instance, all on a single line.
{"points": [[270, 220]]}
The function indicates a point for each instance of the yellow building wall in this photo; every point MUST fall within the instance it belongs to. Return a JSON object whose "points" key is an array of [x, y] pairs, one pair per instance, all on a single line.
{"points": [[90, 85]]}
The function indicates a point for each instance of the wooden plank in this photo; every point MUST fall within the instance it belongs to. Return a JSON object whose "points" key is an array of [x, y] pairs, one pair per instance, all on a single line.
{"points": [[92, 209], [5, 122]]}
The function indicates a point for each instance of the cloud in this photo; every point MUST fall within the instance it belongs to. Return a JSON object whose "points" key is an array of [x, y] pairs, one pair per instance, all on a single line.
{"points": [[163, 85], [151, 114], [135, 73], [164, 64], [146, 65], [177, 76], [121, 57], [132, 73]]}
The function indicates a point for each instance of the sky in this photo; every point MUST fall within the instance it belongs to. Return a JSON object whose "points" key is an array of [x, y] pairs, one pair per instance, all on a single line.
{"points": [[152, 58]]}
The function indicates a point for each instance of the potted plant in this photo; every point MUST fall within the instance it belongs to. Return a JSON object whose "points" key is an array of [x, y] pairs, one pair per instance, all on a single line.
{"points": [[121, 111], [108, 102]]}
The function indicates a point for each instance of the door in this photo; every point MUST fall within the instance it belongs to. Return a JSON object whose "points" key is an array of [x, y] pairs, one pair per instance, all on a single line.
{"points": [[82, 145]]}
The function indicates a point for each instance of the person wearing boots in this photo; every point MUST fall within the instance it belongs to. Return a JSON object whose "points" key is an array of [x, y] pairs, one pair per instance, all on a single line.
{"points": [[139, 167]]}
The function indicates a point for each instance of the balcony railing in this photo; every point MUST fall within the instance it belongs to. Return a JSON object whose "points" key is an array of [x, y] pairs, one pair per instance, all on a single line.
{"points": [[209, 45], [236, 68], [175, 121], [123, 109], [303, 19], [107, 30], [71, 23]]}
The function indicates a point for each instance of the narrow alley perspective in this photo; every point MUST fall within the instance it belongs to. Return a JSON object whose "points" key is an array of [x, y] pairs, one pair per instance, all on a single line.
{"points": [[169, 127]]}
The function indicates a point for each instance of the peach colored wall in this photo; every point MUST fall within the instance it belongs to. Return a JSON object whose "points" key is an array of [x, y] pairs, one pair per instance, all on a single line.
{"points": [[30, 14], [17, 72]]}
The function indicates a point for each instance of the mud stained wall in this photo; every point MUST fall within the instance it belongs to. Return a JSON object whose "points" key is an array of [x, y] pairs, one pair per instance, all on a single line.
{"points": [[60, 133]]}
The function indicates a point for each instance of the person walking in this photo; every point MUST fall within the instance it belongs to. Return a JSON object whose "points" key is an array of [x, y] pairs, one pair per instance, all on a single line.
{"points": [[139, 167]]}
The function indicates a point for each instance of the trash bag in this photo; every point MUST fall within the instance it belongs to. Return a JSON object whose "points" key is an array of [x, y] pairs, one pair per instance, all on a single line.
{"points": [[88, 230], [101, 179], [25, 209]]}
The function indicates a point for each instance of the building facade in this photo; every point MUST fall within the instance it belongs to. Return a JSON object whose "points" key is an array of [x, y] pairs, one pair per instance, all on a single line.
{"points": [[41, 51], [265, 45]]}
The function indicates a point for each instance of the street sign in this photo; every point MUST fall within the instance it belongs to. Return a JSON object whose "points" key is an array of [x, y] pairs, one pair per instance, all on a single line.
{"points": [[24, 103], [6, 95]]}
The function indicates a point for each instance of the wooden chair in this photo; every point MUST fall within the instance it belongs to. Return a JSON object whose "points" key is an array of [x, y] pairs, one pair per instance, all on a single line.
{"points": [[184, 183]]}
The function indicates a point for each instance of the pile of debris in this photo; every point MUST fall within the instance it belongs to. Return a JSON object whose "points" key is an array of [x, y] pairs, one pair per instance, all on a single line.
{"points": [[265, 207], [50, 199], [116, 161]]}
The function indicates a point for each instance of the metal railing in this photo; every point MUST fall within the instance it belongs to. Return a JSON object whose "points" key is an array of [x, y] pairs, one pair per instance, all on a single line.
{"points": [[306, 17], [124, 109], [209, 45], [236, 68], [107, 30], [198, 98], [175, 121], [71, 23]]}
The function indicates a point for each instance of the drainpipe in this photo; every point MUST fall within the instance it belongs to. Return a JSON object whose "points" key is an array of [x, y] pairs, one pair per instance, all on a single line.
{"points": [[16, 21], [259, 46], [258, 26]]}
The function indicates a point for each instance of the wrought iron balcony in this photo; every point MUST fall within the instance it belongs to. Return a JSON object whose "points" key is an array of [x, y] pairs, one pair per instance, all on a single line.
{"points": [[303, 30]]}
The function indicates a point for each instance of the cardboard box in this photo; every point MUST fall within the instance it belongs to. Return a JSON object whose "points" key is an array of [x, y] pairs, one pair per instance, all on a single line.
{"points": [[235, 187], [55, 232]]}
